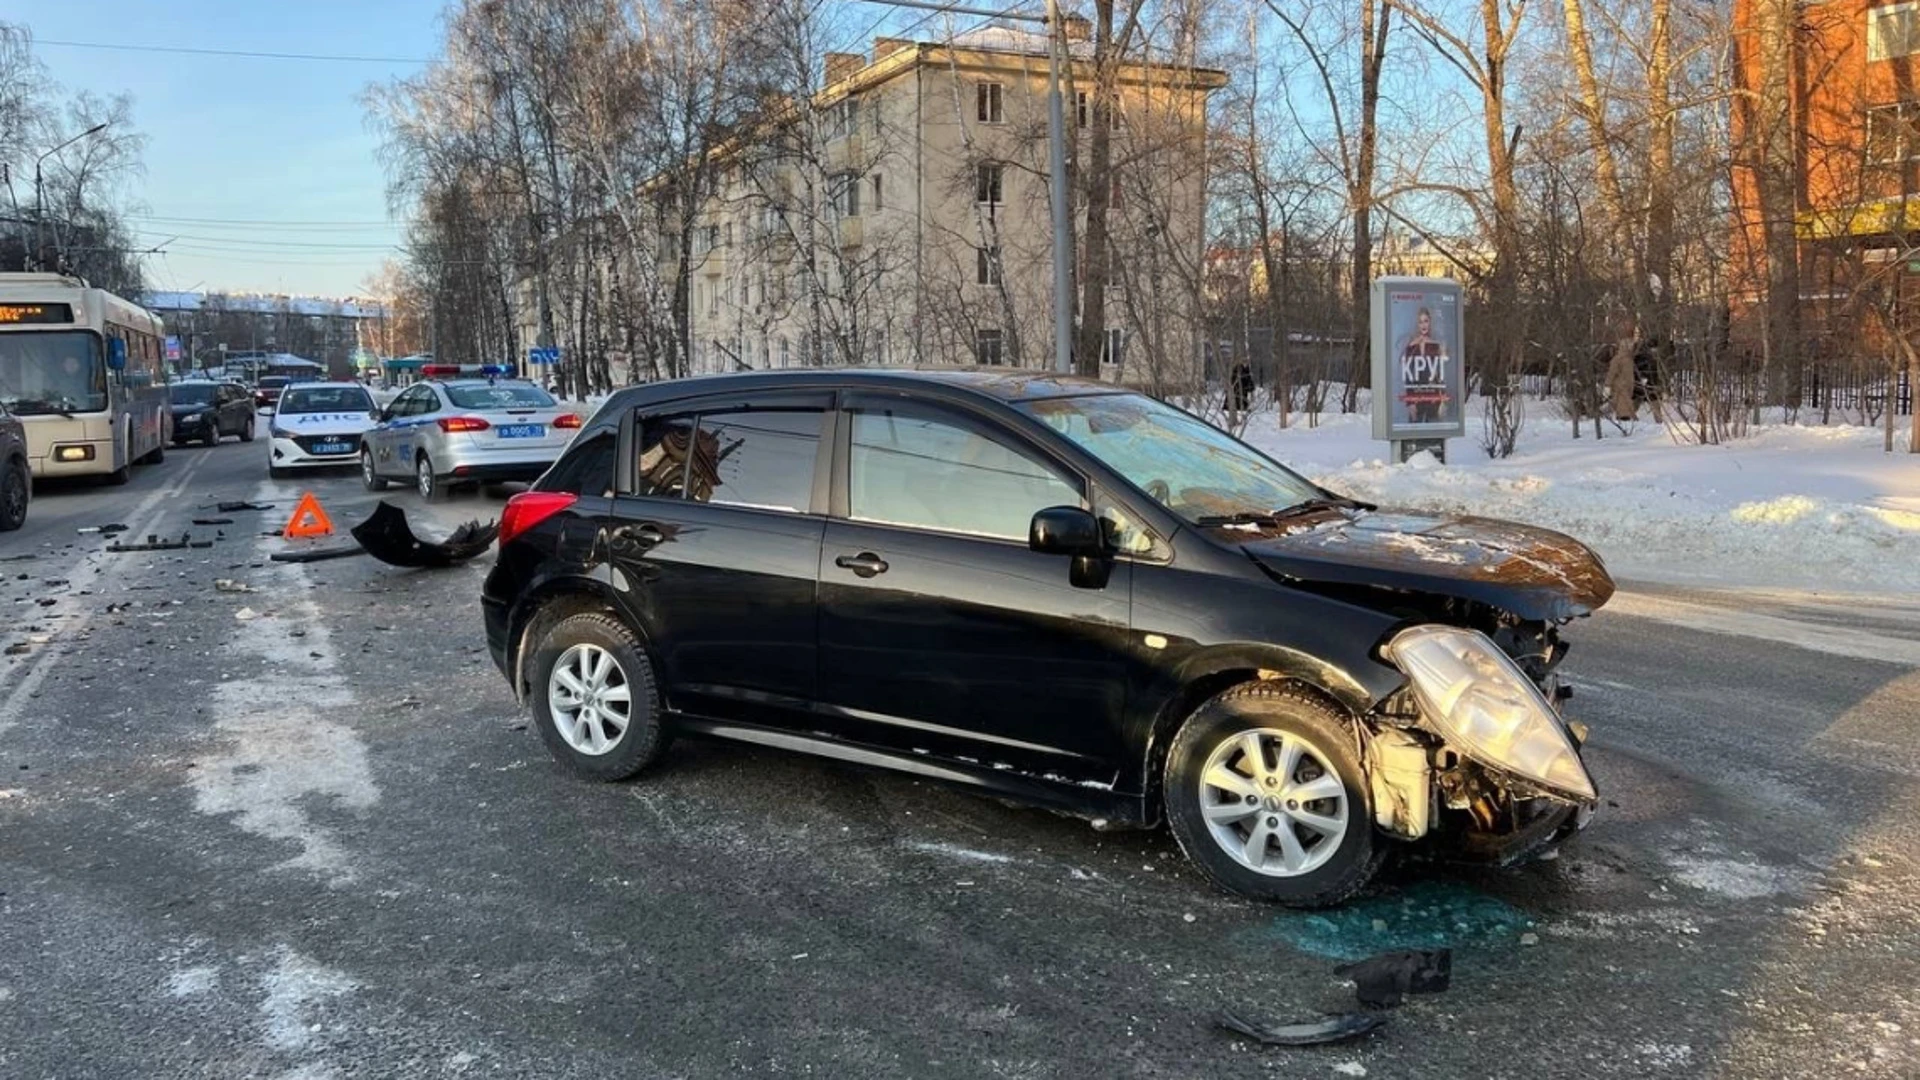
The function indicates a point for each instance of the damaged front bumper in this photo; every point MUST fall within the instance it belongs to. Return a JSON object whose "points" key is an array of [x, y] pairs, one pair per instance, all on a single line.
{"points": [[1474, 755]]}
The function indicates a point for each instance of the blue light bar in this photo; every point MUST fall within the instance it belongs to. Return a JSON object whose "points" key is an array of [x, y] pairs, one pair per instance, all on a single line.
{"points": [[495, 369]]}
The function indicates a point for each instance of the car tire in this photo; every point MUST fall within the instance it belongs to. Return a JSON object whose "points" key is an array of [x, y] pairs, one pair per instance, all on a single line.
{"points": [[246, 433], [16, 491], [428, 485], [368, 475], [600, 739], [1284, 722], [212, 437]]}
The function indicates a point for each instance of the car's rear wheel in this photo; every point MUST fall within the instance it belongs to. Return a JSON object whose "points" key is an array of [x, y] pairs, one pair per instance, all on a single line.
{"points": [[594, 697], [16, 490], [1264, 792], [424, 481], [370, 476], [246, 433]]}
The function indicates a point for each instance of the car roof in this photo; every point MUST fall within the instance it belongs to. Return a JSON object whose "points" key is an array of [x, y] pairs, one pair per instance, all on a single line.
{"points": [[1000, 384], [481, 380], [319, 385]]}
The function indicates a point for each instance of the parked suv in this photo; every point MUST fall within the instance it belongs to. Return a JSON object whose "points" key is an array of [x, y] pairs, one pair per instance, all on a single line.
{"points": [[206, 410], [1049, 590], [16, 477]]}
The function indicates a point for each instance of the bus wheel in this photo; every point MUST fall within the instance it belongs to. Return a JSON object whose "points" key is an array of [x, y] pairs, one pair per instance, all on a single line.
{"points": [[158, 455], [125, 472]]}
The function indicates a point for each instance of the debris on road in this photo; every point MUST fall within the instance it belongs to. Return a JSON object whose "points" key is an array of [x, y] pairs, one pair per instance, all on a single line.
{"points": [[1329, 1030], [236, 507], [213, 521], [103, 530], [1382, 981], [387, 537], [318, 554], [245, 614], [230, 585], [18, 648]]}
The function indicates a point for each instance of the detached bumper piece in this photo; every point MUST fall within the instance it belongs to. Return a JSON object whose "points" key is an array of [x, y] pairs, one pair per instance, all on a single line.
{"points": [[387, 537]]}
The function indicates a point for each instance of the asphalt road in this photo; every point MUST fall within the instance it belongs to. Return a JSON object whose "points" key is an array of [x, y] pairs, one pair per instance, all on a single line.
{"points": [[322, 842]]}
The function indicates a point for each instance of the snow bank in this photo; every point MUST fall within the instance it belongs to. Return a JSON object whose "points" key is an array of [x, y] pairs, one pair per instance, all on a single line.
{"points": [[1793, 506]]}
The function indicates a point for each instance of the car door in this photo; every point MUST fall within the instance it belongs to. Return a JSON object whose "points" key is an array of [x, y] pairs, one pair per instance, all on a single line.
{"points": [[714, 543], [233, 408], [384, 438], [940, 630]]}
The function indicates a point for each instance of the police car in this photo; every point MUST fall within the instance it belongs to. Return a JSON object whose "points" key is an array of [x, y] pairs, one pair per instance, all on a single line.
{"points": [[457, 428], [316, 424]]}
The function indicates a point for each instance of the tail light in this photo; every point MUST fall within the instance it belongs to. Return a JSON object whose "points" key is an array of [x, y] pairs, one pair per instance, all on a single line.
{"points": [[530, 508], [567, 420], [462, 423]]}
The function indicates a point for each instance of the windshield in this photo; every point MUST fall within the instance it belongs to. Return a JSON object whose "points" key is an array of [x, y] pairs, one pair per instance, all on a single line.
{"points": [[46, 373], [499, 396], [1187, 465], [325, 399], [191, 393]]}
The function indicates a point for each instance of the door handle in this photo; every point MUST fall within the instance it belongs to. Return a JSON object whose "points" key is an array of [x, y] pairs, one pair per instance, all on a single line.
{"points": [[646, 533], [866, 564]]}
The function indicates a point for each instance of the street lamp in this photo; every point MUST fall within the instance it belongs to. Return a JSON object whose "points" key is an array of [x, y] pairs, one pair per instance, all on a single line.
{"points": [[39, 209]]}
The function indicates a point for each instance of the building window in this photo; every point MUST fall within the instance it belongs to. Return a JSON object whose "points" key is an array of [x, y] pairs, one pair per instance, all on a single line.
{"points": [[1893, 133], [1111, 347], [988, 186], [986, 265], [986, 100], [1083, 112], [846, 194], [846, 116], [986, 348], [874, 181], [1893, 31]]}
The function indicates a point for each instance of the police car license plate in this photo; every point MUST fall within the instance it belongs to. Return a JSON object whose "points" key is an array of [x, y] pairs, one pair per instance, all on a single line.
{"points": [[333, 448], [522, 431]]}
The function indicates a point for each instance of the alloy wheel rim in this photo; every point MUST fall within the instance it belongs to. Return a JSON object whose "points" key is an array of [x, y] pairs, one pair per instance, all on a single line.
{"points": [[1274, 802], [424, 474], [590, 700], [366, 466]]}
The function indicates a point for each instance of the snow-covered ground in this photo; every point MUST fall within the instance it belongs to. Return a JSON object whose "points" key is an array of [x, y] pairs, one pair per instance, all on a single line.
{"points": [[1792, 507]]}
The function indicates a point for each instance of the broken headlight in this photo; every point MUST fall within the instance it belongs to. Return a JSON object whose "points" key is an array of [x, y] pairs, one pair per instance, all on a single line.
{"points": [[1472, 694]]}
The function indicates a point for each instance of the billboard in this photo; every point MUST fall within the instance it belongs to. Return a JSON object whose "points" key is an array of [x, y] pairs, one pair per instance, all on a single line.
{"points": [[1419, 363]]}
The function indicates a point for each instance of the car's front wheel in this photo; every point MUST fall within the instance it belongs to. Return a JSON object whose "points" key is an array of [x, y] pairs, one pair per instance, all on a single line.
{"points": [[16, 487], [370, 476], [246, 433], [594, 699], [1264, 792]]}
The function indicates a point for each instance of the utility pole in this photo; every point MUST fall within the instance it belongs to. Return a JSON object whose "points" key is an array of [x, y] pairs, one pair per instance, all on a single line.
{"points": [[39, 208], [1056, 155]]}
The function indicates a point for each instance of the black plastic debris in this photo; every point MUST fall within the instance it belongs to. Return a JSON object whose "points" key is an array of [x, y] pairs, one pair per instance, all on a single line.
{"points": [[387, 537], [153, 544], [318, 554], [1331, 1029], [213, 521], [1382, 981], [235, 507], [103, 530]]}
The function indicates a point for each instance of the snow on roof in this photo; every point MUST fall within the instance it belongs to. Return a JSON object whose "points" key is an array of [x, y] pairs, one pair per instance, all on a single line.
{"points": [[1014, 39], [296, 305]]}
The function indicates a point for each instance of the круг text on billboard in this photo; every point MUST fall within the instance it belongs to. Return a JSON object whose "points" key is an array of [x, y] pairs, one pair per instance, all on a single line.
{"points": [[1419, 368]]}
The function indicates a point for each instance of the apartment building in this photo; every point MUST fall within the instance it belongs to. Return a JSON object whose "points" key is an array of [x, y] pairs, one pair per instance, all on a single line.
{"points": [[901, 216], [1855, 135]]}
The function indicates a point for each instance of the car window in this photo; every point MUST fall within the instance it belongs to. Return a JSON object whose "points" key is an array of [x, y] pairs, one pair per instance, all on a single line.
{"points": [[499, 396], [191, 393], [927, 470], [664, 443], [325, 399], [425, 401], [760, 459], [586, 468]]}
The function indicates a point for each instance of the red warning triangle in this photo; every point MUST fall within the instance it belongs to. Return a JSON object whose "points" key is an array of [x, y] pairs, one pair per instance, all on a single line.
{"points": [[308, 519]]}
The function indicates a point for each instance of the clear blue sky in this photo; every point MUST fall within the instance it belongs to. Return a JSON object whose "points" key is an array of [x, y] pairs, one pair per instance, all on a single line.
{"points": [[245, 140]]}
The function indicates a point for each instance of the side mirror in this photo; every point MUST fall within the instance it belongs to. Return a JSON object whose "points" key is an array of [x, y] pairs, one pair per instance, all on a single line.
{"points": [[117, 354], [1066, 530]]}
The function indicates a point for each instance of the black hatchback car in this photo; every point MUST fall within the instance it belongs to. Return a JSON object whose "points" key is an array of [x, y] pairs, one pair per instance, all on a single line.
{"points": [[206, 410], [1054, 591]]}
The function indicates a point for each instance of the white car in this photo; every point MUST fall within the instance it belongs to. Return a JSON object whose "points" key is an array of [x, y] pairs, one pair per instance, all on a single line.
{"points": [[318, 423]]}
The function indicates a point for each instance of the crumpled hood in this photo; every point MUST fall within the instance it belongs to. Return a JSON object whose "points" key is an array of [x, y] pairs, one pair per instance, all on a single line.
{"points": [[347, 423], [1533, 573]]}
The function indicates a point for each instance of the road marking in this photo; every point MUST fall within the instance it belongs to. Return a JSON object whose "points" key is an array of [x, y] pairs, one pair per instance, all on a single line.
{"points": [[84, 578], [1833, 640]]}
